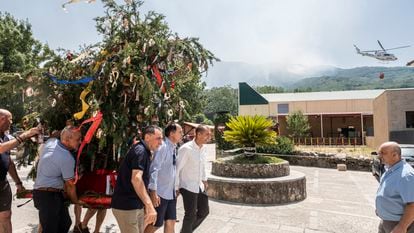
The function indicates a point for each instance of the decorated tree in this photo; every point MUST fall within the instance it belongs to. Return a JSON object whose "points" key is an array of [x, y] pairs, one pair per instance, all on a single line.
{"points": [[140, 74]]}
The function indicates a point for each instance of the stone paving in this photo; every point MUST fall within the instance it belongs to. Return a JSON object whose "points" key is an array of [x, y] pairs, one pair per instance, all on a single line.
{"points": [[336, 201]]}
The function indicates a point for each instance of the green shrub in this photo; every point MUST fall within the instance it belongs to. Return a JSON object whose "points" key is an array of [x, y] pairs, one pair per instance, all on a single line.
{"points": [[249, 131], [283, 146], [257, 159], [220, 120]]}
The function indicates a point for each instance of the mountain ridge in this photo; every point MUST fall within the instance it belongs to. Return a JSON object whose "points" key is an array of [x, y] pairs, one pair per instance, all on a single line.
{"points": [[319, 78]]}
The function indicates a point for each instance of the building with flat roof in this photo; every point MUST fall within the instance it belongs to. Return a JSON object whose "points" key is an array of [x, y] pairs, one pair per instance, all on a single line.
{"points": [[339, 117]]}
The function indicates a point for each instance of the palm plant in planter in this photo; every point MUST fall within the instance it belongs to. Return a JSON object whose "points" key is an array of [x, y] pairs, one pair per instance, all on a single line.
{"points": [[249, 132]]}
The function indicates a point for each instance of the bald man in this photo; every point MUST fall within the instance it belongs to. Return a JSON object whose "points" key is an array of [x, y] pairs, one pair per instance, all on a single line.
{"points": [[395, 196], [55, 175], [7, 166], [191, 179]]}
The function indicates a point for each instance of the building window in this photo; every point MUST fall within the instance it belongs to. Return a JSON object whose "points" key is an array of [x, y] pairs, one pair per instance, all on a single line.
{"points": [[283, 108], [409, 119]]}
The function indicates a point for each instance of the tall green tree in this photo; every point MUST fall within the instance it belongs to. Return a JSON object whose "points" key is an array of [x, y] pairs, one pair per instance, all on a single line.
{"points": [[221, 99], [298, 124], [20, 54]]}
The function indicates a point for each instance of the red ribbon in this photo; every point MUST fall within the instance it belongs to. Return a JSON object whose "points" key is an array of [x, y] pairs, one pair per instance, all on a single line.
{"points": [[96, 121], [157, 75]]}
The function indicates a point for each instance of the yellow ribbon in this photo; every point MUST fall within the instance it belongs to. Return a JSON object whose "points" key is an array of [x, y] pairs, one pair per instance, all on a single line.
{"points": [[98, 63], [85, 106]]}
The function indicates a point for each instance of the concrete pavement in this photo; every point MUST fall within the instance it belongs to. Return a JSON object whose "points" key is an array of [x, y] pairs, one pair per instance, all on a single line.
{"points": [[336, 202]]}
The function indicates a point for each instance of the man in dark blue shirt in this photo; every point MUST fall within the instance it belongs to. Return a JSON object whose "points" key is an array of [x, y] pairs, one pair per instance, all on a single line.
{"points": [[7, 166], [130, 197]]}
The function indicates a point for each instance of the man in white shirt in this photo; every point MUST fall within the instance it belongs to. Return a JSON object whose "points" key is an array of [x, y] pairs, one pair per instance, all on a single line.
{"points": [[192, 180]]}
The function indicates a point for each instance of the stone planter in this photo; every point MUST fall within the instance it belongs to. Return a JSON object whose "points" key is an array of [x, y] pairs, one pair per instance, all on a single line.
{"points": [[280, 190], [221, 168], [256, 183]]}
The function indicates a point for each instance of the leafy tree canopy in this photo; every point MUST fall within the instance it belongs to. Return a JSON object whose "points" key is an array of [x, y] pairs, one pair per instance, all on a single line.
{"points": [[220, 99], [20, 54], [298, 124]]}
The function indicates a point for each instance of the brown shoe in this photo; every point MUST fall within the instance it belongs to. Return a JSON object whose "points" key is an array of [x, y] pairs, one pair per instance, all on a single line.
{"points": [[77, 228]]}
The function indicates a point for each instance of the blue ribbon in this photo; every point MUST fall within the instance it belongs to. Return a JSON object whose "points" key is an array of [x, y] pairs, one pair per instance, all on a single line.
{"points": [[80, 81]]}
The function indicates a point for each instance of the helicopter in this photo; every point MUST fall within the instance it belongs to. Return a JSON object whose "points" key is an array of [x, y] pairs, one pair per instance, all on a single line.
{"points": [[382, 54]]}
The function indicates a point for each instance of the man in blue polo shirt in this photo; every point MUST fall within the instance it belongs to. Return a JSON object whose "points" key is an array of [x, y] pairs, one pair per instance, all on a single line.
{"points": [[395, 195], [131, 204], [55, 174]]}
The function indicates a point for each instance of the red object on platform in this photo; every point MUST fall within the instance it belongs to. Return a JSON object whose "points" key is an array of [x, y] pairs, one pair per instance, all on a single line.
{"points": [[97, 202], [99, 181]]}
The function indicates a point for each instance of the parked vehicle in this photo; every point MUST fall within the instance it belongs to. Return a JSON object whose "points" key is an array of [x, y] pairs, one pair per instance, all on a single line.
{"points": [[407, 153]]}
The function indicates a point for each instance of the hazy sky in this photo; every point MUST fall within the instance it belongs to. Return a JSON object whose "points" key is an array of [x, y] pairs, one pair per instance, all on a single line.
{"points": [[305, 32]]}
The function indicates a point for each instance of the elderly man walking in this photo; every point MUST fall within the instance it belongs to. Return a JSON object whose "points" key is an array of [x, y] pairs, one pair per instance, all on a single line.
{"points": [[395, 196], [56, 175], [7, 166]]}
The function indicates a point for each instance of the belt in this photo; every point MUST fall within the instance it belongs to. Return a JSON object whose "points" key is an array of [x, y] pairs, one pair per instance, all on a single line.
{"points": [[50, 190]]}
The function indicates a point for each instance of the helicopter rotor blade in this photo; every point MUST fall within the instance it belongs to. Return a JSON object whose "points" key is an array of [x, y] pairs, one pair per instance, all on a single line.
{"points": [[370, 51], [381, 45], [401, 47]]}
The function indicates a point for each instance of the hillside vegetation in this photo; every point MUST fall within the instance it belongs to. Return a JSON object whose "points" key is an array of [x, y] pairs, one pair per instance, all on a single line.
{"points": [[360, 78]]}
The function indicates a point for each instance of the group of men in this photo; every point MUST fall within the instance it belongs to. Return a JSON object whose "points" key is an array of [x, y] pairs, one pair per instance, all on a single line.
{"points": [[154, 173], [147, 188], [151, 177]]}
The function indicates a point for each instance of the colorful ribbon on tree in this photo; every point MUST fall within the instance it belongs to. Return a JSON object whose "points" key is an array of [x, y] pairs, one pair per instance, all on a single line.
{"points": [[74, 1], [96, 121], [85, 106], [80, 81], [157, 75]]}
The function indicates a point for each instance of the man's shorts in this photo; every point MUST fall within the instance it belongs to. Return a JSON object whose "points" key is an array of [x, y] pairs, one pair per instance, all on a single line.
{"points": [[166, 211], [5, 196]]}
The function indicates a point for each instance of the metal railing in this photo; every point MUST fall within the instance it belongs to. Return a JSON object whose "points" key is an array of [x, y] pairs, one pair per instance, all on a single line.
{"points": [[328, 141]]}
